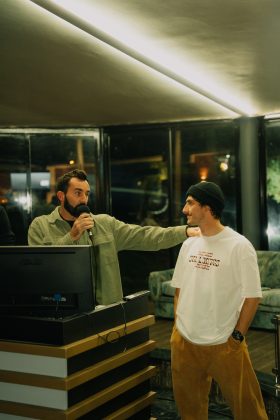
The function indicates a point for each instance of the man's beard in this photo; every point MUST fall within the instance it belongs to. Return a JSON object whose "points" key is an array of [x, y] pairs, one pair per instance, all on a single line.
{"points": [[72, 210]]}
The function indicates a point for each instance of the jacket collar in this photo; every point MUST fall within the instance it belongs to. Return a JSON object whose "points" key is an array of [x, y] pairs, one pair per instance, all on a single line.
{"points": [[54, 215]]}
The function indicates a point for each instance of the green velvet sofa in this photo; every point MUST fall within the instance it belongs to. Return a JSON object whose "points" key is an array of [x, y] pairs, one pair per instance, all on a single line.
{"points": [[162, 293]]}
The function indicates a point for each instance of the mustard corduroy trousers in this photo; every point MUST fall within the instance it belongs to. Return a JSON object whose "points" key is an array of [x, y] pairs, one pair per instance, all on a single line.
{"points": [[194, 366]]}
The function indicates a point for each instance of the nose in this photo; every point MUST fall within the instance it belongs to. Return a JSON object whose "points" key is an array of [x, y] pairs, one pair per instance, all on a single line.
{"points": [[184, 211], [84, 198]]}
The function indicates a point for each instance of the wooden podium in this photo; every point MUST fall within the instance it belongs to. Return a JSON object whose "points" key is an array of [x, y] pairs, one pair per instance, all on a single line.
{"points": [[103, 376]]}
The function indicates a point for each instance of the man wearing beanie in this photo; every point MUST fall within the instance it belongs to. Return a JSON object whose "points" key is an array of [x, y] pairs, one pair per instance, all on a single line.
{"points": [[217, 294]]}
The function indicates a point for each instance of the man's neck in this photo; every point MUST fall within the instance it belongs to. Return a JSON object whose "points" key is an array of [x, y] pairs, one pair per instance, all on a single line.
{"points": [[211, 228]]}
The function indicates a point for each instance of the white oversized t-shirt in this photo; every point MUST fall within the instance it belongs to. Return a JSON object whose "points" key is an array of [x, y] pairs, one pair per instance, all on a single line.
{"points": [[214, 274]]}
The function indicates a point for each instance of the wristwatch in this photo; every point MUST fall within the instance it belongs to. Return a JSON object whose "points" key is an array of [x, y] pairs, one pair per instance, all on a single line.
{"points": [[237, 335]]}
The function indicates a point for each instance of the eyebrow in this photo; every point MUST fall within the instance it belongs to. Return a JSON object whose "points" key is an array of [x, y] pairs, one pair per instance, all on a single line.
{"points": [[80, 189]]}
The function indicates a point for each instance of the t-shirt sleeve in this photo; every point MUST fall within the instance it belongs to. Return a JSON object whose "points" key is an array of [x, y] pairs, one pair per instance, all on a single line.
{"points": [[249, 272]]}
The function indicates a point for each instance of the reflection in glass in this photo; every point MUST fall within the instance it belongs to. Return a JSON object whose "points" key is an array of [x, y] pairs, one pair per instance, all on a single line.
{"points": [[14, 164], [272, 138], [139, 188], [56, 154], [31, 162], [139, 174], [206, 152]]}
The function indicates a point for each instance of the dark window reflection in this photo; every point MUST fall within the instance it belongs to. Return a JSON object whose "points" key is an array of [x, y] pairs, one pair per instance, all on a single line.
{"points": [[139, 162], [206, 152], [14, 166], [30, 164], [272, 136], [139, 189], [51, 156]]}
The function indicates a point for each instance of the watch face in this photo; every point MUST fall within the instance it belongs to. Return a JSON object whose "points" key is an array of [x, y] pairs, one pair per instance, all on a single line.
{"points": [[237, 335]]}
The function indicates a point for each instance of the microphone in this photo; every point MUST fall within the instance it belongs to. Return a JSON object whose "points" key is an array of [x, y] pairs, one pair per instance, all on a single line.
{"points": [[82, 208]]}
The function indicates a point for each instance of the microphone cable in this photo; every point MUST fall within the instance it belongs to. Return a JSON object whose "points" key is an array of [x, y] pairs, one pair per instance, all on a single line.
{"points": [[82, 208], [118, 336], [95, 274], [85, 209]]}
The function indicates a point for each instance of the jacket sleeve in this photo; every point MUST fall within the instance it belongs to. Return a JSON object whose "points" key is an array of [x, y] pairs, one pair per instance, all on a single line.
{"points": [[146, 238]]}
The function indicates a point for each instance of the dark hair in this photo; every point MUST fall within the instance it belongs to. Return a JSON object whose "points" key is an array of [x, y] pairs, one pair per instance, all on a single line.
{"points": [[63, 181]]}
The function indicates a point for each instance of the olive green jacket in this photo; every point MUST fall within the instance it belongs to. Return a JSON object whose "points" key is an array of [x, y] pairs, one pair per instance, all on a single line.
{"points": [[109, 236]]}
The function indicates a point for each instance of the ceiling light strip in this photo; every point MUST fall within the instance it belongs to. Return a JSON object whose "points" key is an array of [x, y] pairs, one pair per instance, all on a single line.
{"points": [[272, 116], [115, 43]]}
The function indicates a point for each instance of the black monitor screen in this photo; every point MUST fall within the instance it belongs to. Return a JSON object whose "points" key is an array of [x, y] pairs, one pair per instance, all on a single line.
{"points": [[46, 280]]}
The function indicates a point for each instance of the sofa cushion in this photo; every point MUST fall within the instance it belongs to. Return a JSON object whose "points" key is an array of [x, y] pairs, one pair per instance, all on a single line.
{"points": [[270, 300], [156, 278], [164, 308], [167, 289], [269, 266]]}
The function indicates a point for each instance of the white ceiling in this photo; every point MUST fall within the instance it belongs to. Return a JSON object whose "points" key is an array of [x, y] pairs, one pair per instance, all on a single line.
{"points": [[54, 74]]}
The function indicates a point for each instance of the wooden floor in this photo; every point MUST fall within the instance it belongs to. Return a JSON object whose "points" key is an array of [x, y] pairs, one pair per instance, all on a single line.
{"points": [[260, 344]]}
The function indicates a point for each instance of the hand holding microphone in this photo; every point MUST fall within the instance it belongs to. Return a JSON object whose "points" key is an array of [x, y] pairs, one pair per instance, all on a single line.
{"points": [[83, 222]]}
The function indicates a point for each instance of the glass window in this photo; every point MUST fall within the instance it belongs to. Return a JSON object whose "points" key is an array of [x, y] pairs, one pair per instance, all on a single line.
{"points": [[272, 139], [205, 152], [30, 163], [14, 190], [139, 189], [139, 175], [53, 154]]}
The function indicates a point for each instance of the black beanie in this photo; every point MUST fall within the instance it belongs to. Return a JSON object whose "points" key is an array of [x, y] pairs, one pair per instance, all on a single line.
{"points": [[208, 193]]}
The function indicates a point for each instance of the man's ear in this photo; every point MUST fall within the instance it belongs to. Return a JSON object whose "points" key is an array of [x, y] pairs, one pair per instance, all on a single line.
{"points": [[208, 208], [60, 195]]}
